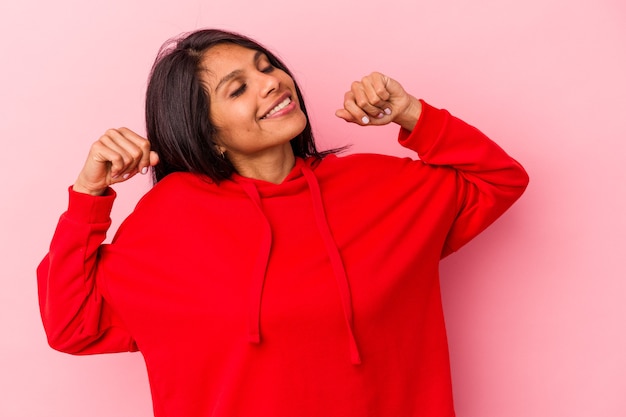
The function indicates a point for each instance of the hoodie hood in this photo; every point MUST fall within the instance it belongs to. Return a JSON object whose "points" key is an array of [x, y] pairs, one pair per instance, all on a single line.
{"points": [[256, 191]]}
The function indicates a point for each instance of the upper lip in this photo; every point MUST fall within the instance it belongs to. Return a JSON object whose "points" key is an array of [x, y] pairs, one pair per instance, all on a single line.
{"points": [[279, 100]]}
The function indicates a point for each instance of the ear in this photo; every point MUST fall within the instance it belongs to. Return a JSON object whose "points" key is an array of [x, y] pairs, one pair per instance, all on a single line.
{"points": [[221, 150]]}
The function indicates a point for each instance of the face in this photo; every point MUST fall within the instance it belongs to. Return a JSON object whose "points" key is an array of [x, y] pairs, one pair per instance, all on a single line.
{"points": [[254, 105]]}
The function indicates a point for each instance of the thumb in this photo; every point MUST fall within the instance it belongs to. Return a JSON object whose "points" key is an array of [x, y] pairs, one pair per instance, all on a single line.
{"points": [[154, 158], [345, 115]]}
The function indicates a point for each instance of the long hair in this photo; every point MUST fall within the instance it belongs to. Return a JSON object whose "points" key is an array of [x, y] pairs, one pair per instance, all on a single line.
{"points": [[177, 108]]}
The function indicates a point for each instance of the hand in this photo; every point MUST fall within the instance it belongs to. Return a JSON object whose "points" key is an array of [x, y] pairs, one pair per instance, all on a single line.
{"points": [[377, 100], [117, 156]]}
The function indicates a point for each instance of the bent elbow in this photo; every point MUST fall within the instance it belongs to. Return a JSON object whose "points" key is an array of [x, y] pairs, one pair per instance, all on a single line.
{"points": [[65, 341]]}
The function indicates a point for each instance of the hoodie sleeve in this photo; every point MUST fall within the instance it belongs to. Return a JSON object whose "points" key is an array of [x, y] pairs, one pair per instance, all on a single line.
{"points": [[488, 180], [76, 317]]}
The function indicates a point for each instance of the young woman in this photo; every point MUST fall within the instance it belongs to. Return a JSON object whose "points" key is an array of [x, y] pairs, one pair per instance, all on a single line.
{"points": [[259, 276]]}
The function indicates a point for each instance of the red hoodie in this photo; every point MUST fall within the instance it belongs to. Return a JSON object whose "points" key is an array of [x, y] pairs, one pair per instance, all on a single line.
{"points": [[315, 297]]}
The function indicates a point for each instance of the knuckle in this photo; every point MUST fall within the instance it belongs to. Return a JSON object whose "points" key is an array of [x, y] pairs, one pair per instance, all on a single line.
{"points": [[381, 90], [374, 100], [362, 101], [128, 158], [135, 154], [117, 161], [144, 146], [369, 77]]}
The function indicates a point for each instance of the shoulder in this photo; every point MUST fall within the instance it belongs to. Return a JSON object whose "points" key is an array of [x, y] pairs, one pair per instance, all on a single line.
{"points": [[175, 189], [167, 204], [379, 173], [368, 166], [182, 182]]}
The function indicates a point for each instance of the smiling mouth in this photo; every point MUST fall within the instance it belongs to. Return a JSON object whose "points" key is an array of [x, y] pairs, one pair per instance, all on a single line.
{"points": [[279, 107]]}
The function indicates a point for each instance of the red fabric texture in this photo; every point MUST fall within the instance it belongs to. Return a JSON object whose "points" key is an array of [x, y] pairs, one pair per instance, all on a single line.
{"points": [[318, 296]]}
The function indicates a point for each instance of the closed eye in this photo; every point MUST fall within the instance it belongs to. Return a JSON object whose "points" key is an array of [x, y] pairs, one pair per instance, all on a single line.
{"points": [[242, 89], [239, 91]]}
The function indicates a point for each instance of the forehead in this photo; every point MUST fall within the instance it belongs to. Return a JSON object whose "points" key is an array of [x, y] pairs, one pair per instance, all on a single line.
{"points": [[220, 60]]}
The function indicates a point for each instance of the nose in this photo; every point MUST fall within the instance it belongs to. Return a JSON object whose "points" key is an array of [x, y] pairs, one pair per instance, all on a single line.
{"points": [[269, 83]]}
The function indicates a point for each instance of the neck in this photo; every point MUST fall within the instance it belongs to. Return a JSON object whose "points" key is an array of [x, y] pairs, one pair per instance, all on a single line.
{"points": [[272, 166]]}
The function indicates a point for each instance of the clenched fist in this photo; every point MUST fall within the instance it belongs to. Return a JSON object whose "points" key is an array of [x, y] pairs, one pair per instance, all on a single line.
{"points": [[377, 100], [118, 155]]}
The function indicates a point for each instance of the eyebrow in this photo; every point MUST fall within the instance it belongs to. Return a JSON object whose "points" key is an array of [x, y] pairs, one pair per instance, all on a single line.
{"points": [[237, 72]]}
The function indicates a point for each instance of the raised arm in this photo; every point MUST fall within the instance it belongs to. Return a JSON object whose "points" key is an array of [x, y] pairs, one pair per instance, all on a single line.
{"points": [[76, 316], [488, 181]]}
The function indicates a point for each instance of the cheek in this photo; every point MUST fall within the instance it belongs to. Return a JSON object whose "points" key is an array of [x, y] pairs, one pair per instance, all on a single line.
{"points": [[238, 113], [224, 119], [234, 128]]}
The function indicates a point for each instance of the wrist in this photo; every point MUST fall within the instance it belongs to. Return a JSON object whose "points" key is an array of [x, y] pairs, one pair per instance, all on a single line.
{"points": [[79, 188], [409, 117]]}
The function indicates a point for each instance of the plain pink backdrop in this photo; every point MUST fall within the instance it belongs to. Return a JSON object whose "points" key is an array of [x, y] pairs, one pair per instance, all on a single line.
{"points": [[535, 306]]}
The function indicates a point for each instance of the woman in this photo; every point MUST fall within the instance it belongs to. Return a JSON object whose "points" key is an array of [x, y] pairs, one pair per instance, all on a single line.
{"points": [[260, 276]]}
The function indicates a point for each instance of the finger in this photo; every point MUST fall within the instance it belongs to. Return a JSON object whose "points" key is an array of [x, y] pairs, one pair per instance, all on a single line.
{"points": [[355, 111], [153, 160], [367, 103], [145, 159], [134, 149], [345, 115], [375, 87], [122, 154], [102, 166]]}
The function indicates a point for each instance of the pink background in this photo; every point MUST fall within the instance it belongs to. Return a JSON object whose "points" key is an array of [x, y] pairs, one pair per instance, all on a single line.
{"points": [[535, 306]]}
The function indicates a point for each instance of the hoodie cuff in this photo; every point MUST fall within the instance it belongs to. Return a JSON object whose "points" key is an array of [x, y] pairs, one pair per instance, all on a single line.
{"points": [[427, 130], [85, 208]]}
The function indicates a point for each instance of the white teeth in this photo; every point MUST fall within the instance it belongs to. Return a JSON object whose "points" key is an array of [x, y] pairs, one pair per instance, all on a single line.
{"points": [[280, 106]]}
